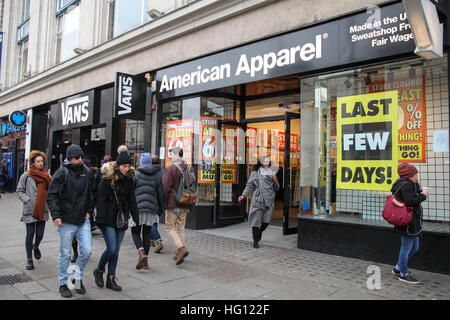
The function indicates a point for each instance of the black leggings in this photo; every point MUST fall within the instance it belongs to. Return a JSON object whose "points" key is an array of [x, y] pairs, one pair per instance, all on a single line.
{"points": [[146, 237], [35, 228]]}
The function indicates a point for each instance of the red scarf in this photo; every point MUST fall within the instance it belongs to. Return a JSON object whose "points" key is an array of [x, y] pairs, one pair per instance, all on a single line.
{"points": [[43, 180]]}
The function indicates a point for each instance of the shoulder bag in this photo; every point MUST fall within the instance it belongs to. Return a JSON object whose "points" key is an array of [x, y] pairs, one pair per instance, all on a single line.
{"points": [[120, 220], [395, 211]]}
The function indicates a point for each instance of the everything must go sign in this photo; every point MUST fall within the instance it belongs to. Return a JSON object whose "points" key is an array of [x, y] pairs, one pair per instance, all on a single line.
{"points": [[367, 133]]}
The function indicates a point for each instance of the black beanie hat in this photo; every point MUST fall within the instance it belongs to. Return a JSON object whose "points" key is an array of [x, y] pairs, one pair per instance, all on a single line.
{"points": [[123, 158], [74, 151]]}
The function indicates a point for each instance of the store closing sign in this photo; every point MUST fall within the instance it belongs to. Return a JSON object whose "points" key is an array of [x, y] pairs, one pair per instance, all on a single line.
{"points": [[179, 134], [207, 152], [412, 116], [367, 141]]}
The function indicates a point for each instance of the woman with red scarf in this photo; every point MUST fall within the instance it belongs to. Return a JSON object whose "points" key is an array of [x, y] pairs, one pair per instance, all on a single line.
{"points": [[32, 191]]}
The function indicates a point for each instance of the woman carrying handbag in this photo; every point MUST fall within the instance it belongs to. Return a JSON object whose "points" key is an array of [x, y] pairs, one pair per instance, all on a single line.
{"points": [[409, 192], [116, 200], [32, 191]]}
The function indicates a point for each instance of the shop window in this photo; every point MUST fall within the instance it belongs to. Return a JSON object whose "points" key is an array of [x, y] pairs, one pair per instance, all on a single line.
{"points": [[134, 139], [352, 192], [192, 124], [68, 26]]}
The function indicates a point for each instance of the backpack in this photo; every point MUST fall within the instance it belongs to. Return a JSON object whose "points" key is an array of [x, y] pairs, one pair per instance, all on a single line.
{"points": [[187, 189]]}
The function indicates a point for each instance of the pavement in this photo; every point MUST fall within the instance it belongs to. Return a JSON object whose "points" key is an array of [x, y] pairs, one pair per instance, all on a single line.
{"points": [[222, 265]]}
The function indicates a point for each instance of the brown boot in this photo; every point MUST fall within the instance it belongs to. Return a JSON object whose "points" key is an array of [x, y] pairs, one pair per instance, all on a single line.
{"points": [[175, 255], [141, 262], [146, 262], [182, 254], [158, 248]]}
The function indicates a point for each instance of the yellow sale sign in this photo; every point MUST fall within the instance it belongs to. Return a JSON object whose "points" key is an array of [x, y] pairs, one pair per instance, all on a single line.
{"points": [[367, 133]]}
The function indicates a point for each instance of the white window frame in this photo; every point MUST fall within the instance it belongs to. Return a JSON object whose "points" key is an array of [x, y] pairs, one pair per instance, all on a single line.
{"points": [[115, 28], [60, 30]]}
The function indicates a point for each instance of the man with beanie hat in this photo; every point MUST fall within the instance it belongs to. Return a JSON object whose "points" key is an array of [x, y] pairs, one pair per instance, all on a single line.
{"points": [[409, 192], [70, 202]]}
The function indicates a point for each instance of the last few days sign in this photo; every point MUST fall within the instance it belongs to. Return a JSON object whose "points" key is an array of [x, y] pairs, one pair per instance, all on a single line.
{"points": [[367, 141]]}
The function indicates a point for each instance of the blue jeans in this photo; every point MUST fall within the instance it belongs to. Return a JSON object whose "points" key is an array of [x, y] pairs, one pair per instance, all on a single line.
{"points": [[110, 256], [84, 237], [155, 236], [409, 247]]}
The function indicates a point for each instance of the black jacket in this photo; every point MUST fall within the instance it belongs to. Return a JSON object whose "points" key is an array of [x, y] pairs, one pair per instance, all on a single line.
{"points": [[107, 206], [69, 198], [411, 195], [149, 190]]}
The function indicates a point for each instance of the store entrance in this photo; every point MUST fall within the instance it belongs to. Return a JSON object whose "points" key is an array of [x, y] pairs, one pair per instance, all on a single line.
{"points": [[278, 137]]}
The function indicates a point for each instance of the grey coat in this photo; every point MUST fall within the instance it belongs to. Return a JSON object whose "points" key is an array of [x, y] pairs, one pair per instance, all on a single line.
{"points": [[27, 192], [263, 188]]}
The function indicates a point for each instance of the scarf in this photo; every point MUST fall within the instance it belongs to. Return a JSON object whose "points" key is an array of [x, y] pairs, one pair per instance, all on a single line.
{"points": [[43, 180]]}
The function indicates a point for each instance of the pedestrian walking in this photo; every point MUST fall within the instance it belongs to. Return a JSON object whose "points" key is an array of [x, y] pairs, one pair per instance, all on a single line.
{"points": [[116, 201], [70, 204], [93, 190], [3, 176], [176, 213], [32, 191], [412, 194], [150, 205], [264, 184]]}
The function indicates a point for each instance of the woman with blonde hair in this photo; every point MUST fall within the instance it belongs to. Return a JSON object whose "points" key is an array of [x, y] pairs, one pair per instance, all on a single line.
{"points": [[116, 201], [32, 191]]}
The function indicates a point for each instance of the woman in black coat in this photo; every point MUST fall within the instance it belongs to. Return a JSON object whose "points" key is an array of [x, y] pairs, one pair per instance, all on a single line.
{"points": [[409, 191], [115, 194], [150, 203]]}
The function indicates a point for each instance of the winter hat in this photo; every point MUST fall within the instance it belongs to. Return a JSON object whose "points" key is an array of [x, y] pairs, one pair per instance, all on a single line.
{"points": [[146, 159], [123, 158], [406, 170], [74, 151]]}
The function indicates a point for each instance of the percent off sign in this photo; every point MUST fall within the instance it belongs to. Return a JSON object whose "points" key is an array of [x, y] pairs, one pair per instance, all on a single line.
{"points": [[414, 120]]}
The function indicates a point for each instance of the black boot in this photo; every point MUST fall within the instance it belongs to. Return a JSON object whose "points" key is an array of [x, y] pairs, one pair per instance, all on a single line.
{"points": [[98, 275], [30, 265], [261, 230], [255, 232], [112, 284]]}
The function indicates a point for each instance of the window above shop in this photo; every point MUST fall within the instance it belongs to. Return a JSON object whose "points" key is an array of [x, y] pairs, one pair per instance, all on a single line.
{"points": [[23, 29], [63, 5], [126, 15], [68, 26]]}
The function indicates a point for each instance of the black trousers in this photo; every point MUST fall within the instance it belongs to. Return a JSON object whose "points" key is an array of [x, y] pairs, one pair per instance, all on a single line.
{"points": [[35, 231], [144, 241]]}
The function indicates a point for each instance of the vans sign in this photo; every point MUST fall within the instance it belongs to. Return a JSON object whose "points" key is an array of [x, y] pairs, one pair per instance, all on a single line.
{"points": [[130, 95], [361, 37], [75, 111]]}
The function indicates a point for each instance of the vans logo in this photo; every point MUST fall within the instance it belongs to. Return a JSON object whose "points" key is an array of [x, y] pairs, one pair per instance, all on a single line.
{"points": [[125, 94], [130, 93], [75, 111]]}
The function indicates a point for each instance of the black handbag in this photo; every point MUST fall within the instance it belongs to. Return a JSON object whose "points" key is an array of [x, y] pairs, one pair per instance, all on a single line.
{"points": [[120, 220]]}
